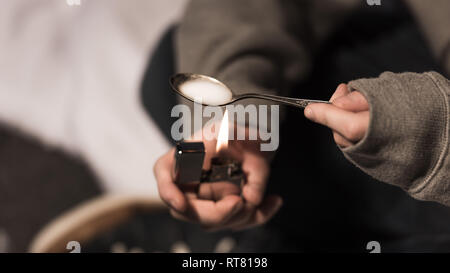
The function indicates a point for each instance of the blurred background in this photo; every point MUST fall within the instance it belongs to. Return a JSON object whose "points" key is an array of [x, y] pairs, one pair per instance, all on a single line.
{"points": [[85, 112], [73, 125]]}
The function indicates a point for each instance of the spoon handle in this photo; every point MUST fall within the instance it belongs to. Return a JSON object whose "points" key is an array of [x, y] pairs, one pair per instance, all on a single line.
{"points": [[301, 103]]}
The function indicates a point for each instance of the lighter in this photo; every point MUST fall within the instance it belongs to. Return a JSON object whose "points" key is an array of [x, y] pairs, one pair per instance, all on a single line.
{"points": [[189, 158], [188, 162]]}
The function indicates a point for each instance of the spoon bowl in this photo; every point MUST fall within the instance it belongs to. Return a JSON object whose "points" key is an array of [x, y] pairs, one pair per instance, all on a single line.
{"points": [[212, 92]]}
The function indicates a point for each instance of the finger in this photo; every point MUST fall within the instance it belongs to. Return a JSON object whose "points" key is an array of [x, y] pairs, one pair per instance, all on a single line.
{"points": [[341, 141], [341, 90], [354, 101], [352, 126], [262, 214], [257, 170], [217, 190], [238, 219], [168, 191], [210, 213], [251, 216], [180, 216]]}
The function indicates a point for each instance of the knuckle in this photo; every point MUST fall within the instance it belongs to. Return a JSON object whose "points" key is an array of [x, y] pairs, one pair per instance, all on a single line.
{"points": [[156, 167], [342, 144], [339, 103], [218, 219], [178, 216], [263, 219], [337, 139], [352, 130], [254, 194], [174, 214], [163, 195]]}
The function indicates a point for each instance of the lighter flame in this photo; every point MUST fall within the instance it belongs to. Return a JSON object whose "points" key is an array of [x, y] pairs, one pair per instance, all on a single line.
{"points": [[222, 138]]}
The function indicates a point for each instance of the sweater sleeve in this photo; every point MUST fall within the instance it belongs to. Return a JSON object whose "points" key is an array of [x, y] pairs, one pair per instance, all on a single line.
{"points": [[407, 143]]}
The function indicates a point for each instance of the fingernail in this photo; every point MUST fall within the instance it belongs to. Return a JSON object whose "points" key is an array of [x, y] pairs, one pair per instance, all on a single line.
{"points": [[309, 113]]}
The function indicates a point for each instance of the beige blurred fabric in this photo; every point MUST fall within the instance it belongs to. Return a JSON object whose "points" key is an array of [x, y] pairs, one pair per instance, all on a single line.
{"points": [[70, 77]]}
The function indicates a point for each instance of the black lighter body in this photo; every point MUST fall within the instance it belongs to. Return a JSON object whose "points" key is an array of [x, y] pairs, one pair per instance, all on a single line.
{"points": [[189, 158]]}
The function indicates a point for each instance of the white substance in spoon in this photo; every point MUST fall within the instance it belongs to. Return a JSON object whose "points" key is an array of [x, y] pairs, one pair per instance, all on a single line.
{"points": [[206, 92]]}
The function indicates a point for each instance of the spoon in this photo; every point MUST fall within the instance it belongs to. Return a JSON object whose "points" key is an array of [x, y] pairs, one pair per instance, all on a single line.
{"points": [[210, 91]]}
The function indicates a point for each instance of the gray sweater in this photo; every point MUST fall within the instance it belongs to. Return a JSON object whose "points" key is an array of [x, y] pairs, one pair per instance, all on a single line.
{"points": [[261, 45]]}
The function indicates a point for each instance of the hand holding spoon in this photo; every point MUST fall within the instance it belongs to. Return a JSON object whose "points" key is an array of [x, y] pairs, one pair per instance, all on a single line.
{"points": [[209, 91]]}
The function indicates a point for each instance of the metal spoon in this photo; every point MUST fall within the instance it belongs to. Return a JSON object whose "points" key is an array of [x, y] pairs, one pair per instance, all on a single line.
{"points": [[178, 80]]}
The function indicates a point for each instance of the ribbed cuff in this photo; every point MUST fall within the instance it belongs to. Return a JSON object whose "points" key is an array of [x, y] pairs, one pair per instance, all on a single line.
{"points": [[408, 131]]}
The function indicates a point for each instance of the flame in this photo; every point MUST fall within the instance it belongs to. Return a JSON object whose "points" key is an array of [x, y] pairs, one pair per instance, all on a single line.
{"points": [[222, 138]]}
